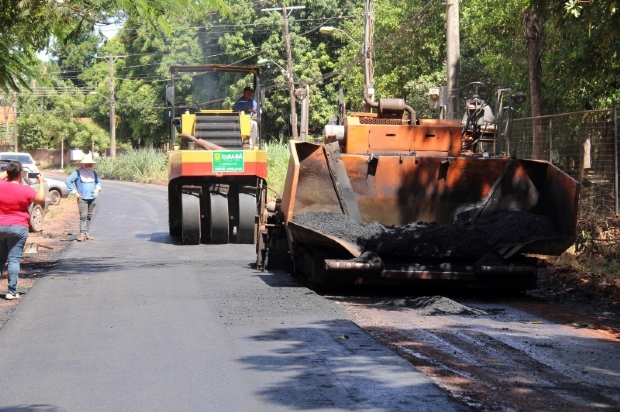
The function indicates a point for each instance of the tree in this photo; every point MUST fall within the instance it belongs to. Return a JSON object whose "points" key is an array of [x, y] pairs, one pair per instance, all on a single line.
{"points": [[533, 34], [51, 114], [75, 56], [27, 27]]}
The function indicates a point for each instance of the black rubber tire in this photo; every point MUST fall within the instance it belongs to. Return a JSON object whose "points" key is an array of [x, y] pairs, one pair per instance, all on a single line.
{"points": [[55, 197], [190, 219], [247, 217], [218, 218], [36, 218]]}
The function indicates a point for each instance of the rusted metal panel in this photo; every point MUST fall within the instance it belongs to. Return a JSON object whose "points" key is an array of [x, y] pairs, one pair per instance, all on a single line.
{"points": [[341, 182], [310, 236], [290, 184], [381, 120], [404, 189], [444, 139], [440, 123], [308, 186]]}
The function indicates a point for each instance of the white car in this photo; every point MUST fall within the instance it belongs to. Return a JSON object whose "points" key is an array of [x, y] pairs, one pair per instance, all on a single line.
{"points": [[37, 212], [24, 158], [58, 190]]}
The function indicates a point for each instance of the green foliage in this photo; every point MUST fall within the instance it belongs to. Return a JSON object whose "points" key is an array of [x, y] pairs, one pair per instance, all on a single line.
{"points": [[407, 51], [277, 165], [141, 166], [27, 27], [48, 116], [493, 47], [597, 267], [261, 35], [418, 91], [73, 57]]}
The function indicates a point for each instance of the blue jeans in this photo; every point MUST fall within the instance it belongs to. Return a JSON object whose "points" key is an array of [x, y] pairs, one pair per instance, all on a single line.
{"points": [[12, 241]]}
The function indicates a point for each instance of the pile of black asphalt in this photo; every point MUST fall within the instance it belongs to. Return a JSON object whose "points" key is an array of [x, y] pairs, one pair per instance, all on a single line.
{"points": [[434, 240], [435, 306]]}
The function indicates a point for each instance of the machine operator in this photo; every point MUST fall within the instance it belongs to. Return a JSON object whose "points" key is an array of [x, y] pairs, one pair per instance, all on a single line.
{"points": [[247, 104]]}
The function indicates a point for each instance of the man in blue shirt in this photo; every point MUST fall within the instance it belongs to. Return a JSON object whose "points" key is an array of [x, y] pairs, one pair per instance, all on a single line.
{"points": [[247, 104]]}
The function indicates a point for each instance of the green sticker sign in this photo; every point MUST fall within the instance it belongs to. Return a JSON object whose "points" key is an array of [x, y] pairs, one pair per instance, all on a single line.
{"points": [[228, 161]]}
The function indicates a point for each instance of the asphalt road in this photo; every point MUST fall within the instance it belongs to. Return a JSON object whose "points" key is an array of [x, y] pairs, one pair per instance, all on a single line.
{"points": [[134, 321]]}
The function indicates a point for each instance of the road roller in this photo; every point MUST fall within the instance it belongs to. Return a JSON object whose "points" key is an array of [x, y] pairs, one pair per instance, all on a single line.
{"points": [[216, 172]]}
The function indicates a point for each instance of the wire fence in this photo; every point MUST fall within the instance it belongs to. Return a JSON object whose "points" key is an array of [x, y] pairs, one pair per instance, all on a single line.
{"points": [[584, 145]]}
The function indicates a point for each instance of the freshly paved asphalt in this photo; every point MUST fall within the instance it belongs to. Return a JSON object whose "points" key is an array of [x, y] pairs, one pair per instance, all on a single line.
{"points": [[134, 321]]}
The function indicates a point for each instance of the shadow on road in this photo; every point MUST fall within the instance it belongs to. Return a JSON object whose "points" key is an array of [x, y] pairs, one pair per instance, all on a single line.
{"points": [[160, 237], [332, 364], [30, 408], [279, 280]]}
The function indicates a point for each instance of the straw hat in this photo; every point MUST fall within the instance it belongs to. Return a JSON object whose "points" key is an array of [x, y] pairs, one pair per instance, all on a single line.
{"points": [[88, 158]]}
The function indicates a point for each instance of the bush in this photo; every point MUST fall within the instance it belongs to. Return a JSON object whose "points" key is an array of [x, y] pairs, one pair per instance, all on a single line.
{"points": [[597, 248]]}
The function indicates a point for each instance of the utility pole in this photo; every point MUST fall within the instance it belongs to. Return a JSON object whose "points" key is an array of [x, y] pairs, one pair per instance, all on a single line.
{"points": [[112, 112], [304, 95], [111, 59], [289, 57], [15, 148], [291, 81], [453, 60], [367, 47]]}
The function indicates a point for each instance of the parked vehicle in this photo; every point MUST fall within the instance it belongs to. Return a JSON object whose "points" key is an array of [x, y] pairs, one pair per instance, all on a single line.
{"points": [[37, 213], [24, 158], [58, 190]]}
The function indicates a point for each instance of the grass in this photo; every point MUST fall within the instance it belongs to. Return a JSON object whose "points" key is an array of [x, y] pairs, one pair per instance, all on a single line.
{"points": [[141, 166], [590, 266], [277, 165]]}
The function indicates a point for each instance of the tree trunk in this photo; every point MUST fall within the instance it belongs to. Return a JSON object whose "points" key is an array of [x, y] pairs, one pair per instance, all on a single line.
{"points": [[533, 33]]}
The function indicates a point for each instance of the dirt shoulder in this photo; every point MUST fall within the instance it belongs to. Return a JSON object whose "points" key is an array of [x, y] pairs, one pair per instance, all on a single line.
{"points": [[583, 301], [512, 358], [555, 348]]}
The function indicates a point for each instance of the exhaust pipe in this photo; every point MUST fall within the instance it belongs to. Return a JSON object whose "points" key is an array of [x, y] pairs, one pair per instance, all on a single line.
{"points": [[391, 106]]}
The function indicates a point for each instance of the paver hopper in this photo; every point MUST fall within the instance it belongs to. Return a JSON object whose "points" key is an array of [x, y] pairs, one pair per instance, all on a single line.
{"points": [[397, 171]]}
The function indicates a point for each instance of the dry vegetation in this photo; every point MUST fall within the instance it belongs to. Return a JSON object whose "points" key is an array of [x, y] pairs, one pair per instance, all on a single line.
{"points": [[590, 270]]}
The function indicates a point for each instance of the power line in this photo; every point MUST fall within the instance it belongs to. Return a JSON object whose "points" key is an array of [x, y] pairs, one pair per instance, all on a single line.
{"points": [[389, 39], [152, 64], [267, 23]]}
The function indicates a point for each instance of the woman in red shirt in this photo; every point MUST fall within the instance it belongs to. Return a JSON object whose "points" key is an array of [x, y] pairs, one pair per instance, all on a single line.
{"points": [[15, 199]]}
